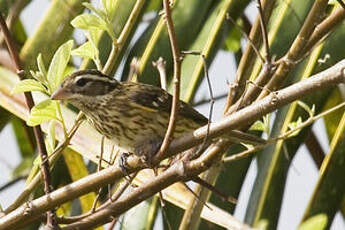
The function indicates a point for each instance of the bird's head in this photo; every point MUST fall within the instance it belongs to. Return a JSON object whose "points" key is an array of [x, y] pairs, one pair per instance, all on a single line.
{"points": [[84, 86]]}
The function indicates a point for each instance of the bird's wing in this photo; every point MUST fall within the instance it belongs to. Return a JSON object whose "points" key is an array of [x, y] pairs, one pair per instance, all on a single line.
{"points": [[158, 99]]}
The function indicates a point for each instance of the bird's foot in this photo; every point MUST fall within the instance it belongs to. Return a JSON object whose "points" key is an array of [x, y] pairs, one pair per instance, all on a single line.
{"points": [[124, 166]]}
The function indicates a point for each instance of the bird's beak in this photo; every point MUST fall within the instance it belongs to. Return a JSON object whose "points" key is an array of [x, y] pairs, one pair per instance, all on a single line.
{"points": [[60, 94]]}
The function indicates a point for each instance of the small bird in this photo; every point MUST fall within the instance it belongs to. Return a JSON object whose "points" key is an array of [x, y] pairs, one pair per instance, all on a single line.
{"points": [[134, 116]]}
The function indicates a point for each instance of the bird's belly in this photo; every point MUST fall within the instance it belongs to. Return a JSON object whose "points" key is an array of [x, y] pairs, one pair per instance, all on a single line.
{"points": [[133, 131]]}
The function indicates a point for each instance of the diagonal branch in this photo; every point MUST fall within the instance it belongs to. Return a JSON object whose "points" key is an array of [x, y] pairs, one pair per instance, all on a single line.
{"points": [[30, 103], [28, 213]]}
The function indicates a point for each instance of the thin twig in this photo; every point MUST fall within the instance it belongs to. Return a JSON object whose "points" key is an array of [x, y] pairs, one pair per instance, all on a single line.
{"points": [[211, 100], [196, 196], [133, 69], [212, 188], [177, 75], [297, 48], [283, 136], [112, 224], [37, 129], [12, 182], [204, 101], [246, 36], [264, 33], [324, 28], [160, 65]]}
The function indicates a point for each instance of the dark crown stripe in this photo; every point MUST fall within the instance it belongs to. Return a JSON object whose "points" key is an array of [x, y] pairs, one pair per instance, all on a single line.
{"points": [[90, 72]]}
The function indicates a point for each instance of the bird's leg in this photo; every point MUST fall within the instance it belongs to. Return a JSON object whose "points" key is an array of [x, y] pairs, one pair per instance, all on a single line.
{"points": [[147, 150], [124, 166]]}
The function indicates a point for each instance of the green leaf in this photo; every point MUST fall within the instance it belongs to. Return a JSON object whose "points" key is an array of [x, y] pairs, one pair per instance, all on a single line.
{"points": [[110, 6], [93, 35], [87, 50], [28, 85], [42, 112], [293, 125], [258, 126], [98, 11], [262, 125], [58, 64], [89, 21], [38, 76], [41, 66], [317, 222]]}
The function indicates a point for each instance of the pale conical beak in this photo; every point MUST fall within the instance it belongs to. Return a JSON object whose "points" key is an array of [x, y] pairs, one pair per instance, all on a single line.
{"points": [[60, 94]]}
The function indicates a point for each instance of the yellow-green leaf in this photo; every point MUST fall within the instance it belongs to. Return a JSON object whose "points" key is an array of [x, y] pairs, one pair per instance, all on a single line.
{"points": [[42, 112], [317, 222], [58, 64], [28, 85], [87, 50], [258, 126], [98, 11], [293, 125], [110, 6], [41, 66], [89, 21]]}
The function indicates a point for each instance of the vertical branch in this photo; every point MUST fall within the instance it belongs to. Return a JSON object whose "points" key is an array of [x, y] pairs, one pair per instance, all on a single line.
{"points": [[177, 75], [30, 103], [264, 33]]}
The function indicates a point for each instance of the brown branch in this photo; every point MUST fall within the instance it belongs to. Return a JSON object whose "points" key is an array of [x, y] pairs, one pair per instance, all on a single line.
{"points": [[177, 75], [287, 62], [248, 58], [324, 28], [30, 103], [30, 212], [296, 51]]}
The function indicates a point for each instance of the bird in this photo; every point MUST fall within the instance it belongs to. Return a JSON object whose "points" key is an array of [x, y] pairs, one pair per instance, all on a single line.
{"points": [[134, 116]]}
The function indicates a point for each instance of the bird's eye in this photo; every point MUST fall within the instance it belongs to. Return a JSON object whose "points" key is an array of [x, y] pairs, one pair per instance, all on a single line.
{"points": [[81, 82]]}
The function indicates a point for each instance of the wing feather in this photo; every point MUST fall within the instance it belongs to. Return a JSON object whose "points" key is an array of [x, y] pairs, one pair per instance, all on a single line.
{"points": [[158, 99]]}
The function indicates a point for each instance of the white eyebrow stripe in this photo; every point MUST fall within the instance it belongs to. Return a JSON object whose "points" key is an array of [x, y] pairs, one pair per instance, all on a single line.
{"points": [[94, 77]]}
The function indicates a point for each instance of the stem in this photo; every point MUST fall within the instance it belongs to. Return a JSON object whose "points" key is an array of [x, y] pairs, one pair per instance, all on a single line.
{"points": [[177, 75], [283, 136], [37, 129]]}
